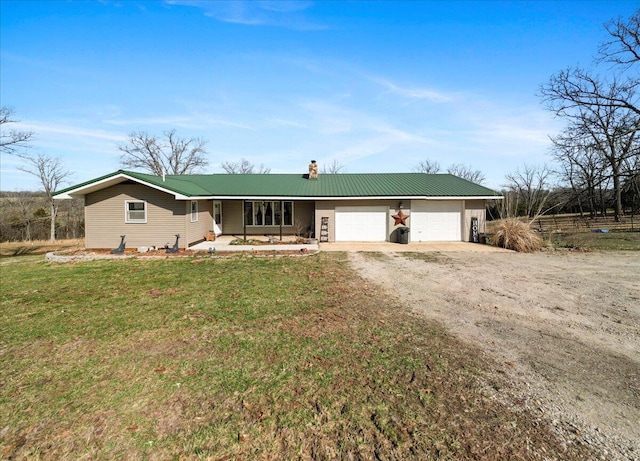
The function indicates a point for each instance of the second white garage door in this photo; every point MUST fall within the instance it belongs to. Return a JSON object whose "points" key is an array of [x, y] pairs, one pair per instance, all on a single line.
{"points": [[436, 221], [361, 224]]}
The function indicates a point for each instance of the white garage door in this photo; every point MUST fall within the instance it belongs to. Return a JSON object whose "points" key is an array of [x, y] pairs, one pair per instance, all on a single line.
{"points": [[436, 221], [361, 224]]}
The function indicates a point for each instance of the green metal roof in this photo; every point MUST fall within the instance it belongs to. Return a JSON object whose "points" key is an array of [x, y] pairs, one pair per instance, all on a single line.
{"points": [[298, 185]]}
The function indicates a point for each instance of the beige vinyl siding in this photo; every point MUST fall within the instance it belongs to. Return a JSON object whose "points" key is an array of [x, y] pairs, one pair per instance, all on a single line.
{"points": [[477, 209], [303, 215], [232, 219], [105, 218], [326, 210], [196, 230]]}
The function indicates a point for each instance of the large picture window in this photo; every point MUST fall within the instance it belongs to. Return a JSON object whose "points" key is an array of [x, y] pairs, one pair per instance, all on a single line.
{"points": [[135, 211], [268, 213]]}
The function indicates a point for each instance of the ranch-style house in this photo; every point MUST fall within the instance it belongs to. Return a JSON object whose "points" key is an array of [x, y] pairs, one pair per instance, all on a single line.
{"points": [[150, 210]]}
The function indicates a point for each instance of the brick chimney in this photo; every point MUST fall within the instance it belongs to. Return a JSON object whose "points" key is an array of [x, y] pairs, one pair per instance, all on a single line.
{"points": [[313, 170]]}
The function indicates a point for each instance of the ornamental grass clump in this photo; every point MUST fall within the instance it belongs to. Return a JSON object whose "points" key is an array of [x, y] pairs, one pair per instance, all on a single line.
{"points": [[517, 235]]}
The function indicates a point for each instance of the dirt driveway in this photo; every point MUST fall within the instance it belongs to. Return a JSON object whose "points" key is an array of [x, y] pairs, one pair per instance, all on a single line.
{"points": [[564, 326]]}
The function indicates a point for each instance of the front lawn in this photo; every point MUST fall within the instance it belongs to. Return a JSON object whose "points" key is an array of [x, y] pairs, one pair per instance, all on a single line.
{"points": [[610, 241], [239, 358]]}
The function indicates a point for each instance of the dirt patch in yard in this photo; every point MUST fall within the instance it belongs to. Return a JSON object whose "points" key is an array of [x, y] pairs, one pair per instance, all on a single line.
{"points": [[564, 326]]}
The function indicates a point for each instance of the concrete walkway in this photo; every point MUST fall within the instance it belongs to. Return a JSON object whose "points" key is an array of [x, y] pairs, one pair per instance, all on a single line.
{"points": [[421, 247], [223, 245]]}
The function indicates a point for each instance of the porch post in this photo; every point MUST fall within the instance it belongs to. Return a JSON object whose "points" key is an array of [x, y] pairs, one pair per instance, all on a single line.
{"points": [[281, 217], [244, 219]]}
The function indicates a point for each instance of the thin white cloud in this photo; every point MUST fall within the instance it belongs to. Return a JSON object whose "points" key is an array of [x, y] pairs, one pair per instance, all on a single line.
{"points": [[400, 136], [515, 131], [349, 135], [381, 139], [414, 93], [47, 64], [41, 127], [133, 122], [287, 6], [335, 119], [191, 122], [85, 152], [288, 123], [286, 14], [209, 121], [326, 118]]}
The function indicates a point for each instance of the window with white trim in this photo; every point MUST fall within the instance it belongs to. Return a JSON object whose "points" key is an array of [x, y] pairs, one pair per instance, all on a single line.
{"points": [[135, 211], [194, 211], [268, 213]]}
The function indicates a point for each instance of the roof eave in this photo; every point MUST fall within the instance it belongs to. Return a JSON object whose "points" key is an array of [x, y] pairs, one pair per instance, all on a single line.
{"points": [[350, 197], [112, 181]]}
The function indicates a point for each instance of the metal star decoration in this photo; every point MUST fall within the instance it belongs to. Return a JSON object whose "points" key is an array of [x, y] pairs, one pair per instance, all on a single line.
{"points": [[400, 218]]}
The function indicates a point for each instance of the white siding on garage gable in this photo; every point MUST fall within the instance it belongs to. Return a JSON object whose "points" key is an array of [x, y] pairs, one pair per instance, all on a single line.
{"points": [[436, 221], [361, 223]]}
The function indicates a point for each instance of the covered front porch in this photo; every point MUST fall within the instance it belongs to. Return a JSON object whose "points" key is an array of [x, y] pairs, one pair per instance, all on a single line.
{"points": [[255, 244], [252, 218]]}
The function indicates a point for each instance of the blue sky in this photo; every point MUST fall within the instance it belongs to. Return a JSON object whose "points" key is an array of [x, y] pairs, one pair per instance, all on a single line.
{"points": [[377, 86]]}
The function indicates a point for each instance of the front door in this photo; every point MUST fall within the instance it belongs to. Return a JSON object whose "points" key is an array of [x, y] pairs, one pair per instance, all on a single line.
{"points": [[217, 217]]}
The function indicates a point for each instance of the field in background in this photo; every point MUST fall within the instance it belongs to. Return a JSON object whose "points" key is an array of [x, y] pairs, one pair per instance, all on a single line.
{"points": [[241, 358]]}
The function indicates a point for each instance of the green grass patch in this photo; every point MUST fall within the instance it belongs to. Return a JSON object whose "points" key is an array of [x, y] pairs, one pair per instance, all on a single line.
{"points": [[429, 257], [237, 358], [374, 255], [591, 241]]}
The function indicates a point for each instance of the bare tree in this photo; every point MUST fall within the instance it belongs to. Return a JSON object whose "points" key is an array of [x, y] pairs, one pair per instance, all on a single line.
{"points": [[457, 169], [427, 166], [244, 166], [609, 129], [576, 87], [529, 190], [623, 49], [24, 216], [170, 154], [11, 140], [24, 204], [605, 111], [334, 167], [631, 187], [466, 172], [582, 166], [572, 89], [51, 175]]}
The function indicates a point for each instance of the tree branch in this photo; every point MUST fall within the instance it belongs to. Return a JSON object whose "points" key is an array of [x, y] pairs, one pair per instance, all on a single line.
{"points": [[171, 155]]}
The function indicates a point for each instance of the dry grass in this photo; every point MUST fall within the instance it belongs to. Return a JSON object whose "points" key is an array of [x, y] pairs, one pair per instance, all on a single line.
{"points": [[516, 235], [38, 247]]}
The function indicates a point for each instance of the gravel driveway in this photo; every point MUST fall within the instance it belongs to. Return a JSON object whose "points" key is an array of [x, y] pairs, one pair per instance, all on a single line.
{"points": [[564, 326]]}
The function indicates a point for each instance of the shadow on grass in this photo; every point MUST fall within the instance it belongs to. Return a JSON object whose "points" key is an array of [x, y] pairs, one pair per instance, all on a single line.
{"points": [[39, 247], [24, 250]]}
